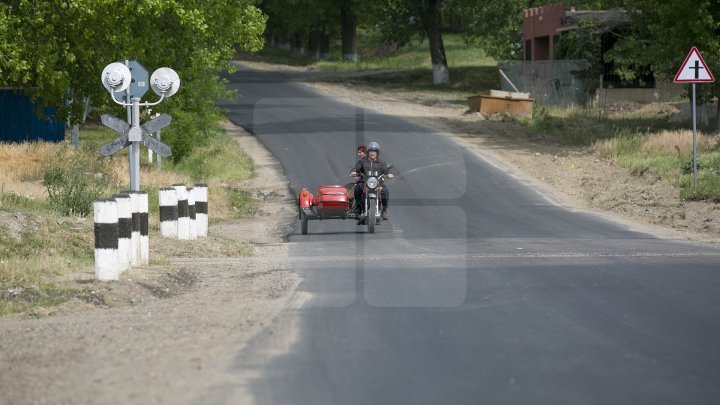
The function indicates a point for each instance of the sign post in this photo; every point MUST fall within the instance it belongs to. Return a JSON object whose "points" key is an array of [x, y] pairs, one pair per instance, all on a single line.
{"points": [[694, 70]]}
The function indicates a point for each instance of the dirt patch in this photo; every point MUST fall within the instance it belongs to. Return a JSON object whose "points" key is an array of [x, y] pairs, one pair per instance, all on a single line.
{"points": [[163, 331], [13, 224]]}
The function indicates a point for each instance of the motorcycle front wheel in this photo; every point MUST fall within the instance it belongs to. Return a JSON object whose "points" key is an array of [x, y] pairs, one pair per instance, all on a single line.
{"points": [[372, 212], [304, 224]]}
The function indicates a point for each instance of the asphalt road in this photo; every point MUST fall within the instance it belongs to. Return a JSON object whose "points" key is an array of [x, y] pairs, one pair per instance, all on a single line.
{"points": [[479, 290]]}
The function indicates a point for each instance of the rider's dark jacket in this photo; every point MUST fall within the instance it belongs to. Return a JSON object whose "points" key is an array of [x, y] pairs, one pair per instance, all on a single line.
{"points": [[366, 165]]}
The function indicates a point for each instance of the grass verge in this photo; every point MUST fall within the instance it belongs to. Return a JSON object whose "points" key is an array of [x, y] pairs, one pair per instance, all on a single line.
{"points": [[669, 154], [45, 241]]}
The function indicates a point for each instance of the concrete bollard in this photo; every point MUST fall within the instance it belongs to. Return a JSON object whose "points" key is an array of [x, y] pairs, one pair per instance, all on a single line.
{"points": [[201, 209], [183, 212], [106, 240], [168, 202], [135, 235], [124, 230], [191, 211], [143, 208]]}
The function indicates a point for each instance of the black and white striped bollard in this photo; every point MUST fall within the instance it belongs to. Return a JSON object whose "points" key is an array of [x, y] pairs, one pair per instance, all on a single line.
{"points": [[135, 235], [192, 212], [183, 212], [201, 209], [124, 230], [168, 202], [143, 207], [106, 240]]}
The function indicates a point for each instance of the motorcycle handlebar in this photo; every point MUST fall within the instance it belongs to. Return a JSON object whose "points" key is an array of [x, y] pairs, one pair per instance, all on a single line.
{"points": [[363, 175]]}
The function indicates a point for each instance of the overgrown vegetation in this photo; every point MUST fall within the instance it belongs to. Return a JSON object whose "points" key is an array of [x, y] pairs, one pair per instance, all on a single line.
{"points": [[219, 159], [669, 155], [46, 196], [644, 141], [73, 186]]}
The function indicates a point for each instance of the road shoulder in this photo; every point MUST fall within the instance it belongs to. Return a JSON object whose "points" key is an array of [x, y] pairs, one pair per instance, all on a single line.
{"points": [[162, 333]]}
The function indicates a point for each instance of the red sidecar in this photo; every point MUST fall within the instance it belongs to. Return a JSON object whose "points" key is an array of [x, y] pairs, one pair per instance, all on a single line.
{"points": [[328, 202]]}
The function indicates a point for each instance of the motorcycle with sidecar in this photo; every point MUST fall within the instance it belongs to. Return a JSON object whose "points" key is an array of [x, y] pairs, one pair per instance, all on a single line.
{"points": [[335, 202]]}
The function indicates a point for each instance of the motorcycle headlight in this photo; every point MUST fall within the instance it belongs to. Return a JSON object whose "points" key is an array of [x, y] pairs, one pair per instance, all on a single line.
{"points": [[372, 183]]}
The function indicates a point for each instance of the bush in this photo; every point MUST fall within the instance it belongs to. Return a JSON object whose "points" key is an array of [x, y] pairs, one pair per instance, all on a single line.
{"points": [[73, 188]]}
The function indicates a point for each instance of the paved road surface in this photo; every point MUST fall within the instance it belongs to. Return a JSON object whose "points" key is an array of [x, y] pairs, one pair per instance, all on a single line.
{"points": [[479, 290]]}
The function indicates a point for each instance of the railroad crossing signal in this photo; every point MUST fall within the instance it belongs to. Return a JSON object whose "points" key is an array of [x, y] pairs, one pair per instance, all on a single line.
{"points": [[694, 69], [116, 77], [140, 134]]}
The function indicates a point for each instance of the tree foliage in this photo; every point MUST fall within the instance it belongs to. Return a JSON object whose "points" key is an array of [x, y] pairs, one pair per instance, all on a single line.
{"points": [[584, 43], [494, 23], [662, 34], [55, 50]]}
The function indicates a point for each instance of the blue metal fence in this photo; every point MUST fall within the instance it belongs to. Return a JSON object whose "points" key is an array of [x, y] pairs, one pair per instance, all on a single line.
{"points": [[18, 121]]}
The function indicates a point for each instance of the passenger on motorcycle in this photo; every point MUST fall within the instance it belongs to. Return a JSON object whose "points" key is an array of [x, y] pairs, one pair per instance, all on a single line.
{"points": [[372, 163], [361, 154]]}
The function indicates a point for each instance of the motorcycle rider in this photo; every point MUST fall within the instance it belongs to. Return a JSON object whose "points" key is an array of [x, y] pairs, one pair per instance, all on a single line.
{"points": [[372, 163]]}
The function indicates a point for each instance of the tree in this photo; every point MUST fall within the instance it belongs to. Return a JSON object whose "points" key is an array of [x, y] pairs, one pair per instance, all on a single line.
{"points": [[584, 43], [495, 22], [58, 49], [661, 35], [318, 20], [348, 29], [401, 20]]}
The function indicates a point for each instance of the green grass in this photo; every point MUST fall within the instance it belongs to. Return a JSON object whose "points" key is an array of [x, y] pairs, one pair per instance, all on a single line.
{"points": [[471, 70], [219, 159], [663, 165], [583, 127], [628, 149], [241, 202], [93, 135], [13, 202], [27, 284], [707, 189]]}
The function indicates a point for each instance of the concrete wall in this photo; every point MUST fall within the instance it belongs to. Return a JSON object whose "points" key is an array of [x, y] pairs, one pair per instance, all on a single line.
{"points": [[664, 91]]}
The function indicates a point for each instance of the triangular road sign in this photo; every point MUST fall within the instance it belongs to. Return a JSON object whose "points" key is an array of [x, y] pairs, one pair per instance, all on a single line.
{"points": [[694, 69]]}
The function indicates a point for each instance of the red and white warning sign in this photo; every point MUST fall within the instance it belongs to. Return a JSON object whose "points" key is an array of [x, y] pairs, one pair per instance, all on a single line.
{"points": [[694, 69]]}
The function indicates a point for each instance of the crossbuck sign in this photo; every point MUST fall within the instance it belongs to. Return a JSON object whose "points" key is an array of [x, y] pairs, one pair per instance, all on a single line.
{"points": [[140, 134]]}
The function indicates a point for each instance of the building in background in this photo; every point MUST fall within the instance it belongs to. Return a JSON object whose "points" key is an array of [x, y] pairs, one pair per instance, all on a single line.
{"points": [[19, 121], [543, 28]]}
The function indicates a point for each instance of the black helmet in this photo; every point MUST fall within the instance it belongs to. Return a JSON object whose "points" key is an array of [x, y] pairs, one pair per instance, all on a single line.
{"points": [[373, 146]]}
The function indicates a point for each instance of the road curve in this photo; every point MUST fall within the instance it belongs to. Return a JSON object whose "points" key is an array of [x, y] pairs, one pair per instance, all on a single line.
{"points": [[478, 290]]}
